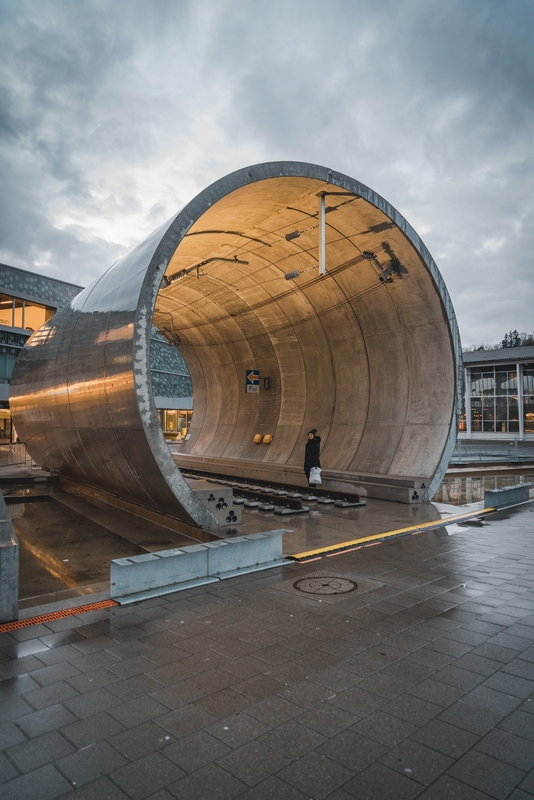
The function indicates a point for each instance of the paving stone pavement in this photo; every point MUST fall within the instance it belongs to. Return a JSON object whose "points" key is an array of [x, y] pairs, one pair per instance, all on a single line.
{"points": [[418, 684]]}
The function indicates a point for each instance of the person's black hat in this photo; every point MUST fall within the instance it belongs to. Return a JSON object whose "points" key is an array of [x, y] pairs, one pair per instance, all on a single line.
{"points": [[313, 430]]}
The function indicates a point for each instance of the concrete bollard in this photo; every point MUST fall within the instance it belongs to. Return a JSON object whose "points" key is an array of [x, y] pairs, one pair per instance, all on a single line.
{"points": [[507, 496]]}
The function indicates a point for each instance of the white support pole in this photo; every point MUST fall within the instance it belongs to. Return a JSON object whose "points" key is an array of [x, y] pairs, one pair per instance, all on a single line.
{"points": [[467, 400], [322, 235], [520, 400]]}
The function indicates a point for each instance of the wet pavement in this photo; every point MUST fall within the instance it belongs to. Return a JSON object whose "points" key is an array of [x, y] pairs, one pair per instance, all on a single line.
{"points": [[67, 542], [325, 525], [417, 683]]}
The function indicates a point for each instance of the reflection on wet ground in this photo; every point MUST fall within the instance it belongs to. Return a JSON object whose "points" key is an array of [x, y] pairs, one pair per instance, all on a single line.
{"points": [[59, 549], [325, 525], [470, 489], [23, 489], [66, 542]]}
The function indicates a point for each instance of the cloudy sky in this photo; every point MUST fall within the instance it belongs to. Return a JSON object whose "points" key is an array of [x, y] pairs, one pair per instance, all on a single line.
{"points": [[114, 113]]}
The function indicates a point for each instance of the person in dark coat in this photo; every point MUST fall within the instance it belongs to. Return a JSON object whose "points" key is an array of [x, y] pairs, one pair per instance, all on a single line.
{"points": [[313, 451]]}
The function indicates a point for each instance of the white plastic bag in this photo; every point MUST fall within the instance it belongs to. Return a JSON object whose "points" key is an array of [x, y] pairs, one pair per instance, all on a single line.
{"points": [[315, 476]]}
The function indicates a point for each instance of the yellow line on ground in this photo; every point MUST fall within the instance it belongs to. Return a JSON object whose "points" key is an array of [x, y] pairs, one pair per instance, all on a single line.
{"points": [[437, 523]]}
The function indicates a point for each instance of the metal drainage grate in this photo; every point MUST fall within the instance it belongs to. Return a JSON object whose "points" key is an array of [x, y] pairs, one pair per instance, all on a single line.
{"points": [[54, 615], [325, 584]]}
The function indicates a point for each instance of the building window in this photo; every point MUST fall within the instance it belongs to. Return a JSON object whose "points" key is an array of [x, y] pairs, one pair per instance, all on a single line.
{"points": [[175, 424], [494, 401], [5, 425], [6, 310], [170, 421], [23, 314], [462, 426], [7, 362], [35, 315]]}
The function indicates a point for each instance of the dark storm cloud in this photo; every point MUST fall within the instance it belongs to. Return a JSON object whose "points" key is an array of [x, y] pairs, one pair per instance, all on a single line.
{"points": [[429, 103], [89, 90], [50, 75]]}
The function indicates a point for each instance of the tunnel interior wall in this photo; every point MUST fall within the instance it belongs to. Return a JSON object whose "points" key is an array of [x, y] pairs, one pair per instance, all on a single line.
{"points": [[369, 363]]}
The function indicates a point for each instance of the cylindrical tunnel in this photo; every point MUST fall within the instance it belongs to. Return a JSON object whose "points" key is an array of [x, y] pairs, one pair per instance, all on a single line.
{"points": [[367, 353]]}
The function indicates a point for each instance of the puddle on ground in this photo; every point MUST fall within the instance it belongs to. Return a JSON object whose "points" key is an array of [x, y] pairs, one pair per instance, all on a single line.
{"points": [[461, 491], [62, 548]]}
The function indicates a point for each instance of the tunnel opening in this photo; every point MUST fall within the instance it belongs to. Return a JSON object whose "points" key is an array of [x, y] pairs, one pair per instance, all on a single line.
{"points": [[362, 352], [295, 274]]}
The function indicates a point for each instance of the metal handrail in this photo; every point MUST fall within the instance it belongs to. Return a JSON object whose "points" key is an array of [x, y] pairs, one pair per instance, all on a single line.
{"points": [[16, 454], [469, 451]]}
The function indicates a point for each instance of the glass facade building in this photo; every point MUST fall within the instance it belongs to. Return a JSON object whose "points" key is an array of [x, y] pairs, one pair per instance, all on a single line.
{"points": [[499, 394], [173, 390], [27, 301], [170, 376]]}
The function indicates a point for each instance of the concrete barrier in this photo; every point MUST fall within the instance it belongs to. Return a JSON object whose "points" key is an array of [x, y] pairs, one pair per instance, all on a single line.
{"points": [[153, 574], [508, 496], [9, 567]]}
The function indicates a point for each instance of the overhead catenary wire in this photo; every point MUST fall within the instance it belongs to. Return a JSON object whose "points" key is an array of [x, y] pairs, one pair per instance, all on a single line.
{"points": [[347, 300]]}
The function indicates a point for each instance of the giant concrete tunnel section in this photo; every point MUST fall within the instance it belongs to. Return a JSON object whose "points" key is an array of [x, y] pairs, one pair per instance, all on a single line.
{"points": [[288, 268]]}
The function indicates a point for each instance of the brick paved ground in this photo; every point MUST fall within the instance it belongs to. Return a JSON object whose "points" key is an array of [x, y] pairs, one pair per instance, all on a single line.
{"points": [[417, 684]]}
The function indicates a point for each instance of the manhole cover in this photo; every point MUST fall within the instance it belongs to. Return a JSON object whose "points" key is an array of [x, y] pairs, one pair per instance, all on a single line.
{"points": [[325, 585]]}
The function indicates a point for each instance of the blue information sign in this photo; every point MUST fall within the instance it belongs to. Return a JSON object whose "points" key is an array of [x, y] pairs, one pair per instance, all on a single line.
{"points": [[252, 381]]}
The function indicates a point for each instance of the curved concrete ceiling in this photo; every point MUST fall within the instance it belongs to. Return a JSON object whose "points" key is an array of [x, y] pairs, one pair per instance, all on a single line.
{"points": [[367, 353]]}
